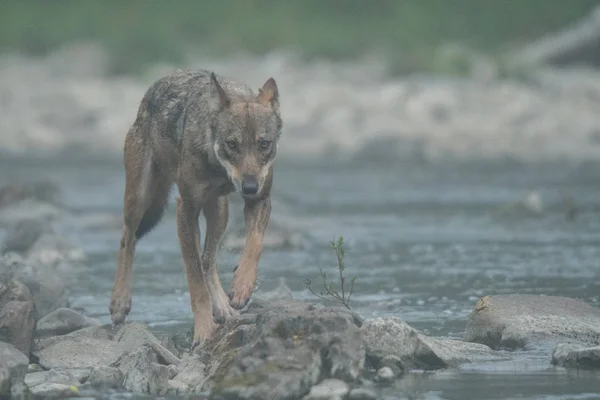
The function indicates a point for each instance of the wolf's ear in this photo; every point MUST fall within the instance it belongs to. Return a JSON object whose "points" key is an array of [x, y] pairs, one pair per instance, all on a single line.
{"points": [[269, 94], [218, 97]]}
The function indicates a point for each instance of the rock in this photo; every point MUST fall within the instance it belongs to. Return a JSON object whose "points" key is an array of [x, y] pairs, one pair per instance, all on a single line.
{"points": [[569, 356], [23, 235], [135, 334], [400, 345], [362, 394], [289, 348], [328, 389], [13, 368], [385, 375], [97, 346], [142, 372], [47, 285], [54, 391], [17, 315], [106, 377], [85, 348], [61, 376], [191, 371], [34, 368], [521, 321], [63, 321]]}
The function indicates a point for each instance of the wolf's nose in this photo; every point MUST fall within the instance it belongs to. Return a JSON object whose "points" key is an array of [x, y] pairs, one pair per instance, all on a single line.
{"points": [[249, 185]]}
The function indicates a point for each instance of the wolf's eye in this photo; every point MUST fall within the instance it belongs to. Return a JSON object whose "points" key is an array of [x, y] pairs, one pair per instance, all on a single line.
{"points": [[231, 144], [264, 144]]}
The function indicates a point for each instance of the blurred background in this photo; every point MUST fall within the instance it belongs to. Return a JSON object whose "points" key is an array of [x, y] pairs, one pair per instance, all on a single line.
{"points": [[453, 143]]}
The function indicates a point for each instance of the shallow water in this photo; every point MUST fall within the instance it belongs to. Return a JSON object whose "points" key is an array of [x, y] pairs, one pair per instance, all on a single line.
{"points": [[426, 241]]}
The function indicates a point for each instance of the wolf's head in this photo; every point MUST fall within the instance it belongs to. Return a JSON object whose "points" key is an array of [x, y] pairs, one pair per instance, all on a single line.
{"points": [[246, 135]]}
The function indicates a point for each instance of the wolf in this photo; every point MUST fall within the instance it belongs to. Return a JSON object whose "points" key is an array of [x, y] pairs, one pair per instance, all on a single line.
{"points": [[210, 136]]}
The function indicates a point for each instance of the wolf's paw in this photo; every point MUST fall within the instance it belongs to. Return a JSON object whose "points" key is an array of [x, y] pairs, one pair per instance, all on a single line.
{"points": [[120, 305], [204, 330]]}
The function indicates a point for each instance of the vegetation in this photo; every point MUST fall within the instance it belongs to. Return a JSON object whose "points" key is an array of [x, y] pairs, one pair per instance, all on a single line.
{"points": [[329, 293], [408, 31]]}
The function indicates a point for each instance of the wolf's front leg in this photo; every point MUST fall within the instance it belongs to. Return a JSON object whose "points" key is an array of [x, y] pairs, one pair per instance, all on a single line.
{"points": [[257, 213], [188, 211]]}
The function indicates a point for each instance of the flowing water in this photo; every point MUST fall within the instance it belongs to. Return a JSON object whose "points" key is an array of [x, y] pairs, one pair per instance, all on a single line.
{"points": [[425, 242]]}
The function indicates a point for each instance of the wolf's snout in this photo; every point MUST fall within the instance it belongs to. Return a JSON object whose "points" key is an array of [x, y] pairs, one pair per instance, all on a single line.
{"points": [[249, 185]]}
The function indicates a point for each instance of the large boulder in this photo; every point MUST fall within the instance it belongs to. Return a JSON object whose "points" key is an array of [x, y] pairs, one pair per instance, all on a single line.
{"points": [[63, 321], [17, 314], [522, 321], [393, 343], [288, 347], [13, 367], [98, 346], [570, 356]]}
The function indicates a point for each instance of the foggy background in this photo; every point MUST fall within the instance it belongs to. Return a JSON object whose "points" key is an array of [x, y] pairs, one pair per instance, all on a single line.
{"points": [[453, 143]]}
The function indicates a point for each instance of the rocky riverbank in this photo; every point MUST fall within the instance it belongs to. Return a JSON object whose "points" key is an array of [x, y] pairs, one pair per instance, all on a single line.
{"points": [[65, 102], [281, 347]]}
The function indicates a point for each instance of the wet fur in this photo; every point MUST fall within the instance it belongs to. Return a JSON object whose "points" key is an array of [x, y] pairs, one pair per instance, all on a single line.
{"points": [[205, 134]]}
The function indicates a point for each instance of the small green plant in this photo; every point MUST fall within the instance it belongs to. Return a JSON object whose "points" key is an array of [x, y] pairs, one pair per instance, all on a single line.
{"points": [[329, 293]]}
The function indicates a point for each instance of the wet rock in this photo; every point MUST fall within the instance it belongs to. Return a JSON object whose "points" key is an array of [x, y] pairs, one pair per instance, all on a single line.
{"points": [[63, 321], [393, 341], [47, 285], [291, 347], [328, 389], [191, 371], [522, 321], [385, 375], [106, 377], [97, 346], [13, 368], [59, 376], [17, 315], [134, 334], [142, 372], [569, 356], [177, 387], [33, 367], [362, 394], [54, 391]]}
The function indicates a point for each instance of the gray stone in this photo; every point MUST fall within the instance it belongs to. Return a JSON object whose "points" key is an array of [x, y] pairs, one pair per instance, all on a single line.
{"points": [[362, 394], [106, 377], [97, 346], [64, 377], [13, 193], [569, 356], [47, 284], [391, 342], [142, 372], [62, 321], [34, 368], [292, 346], [135, 333], [385, 375], [13, 368], [177, 387], [521, 321], [54, 391], [17, 314], [85, 348], [328, 389], [191, 371]]}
